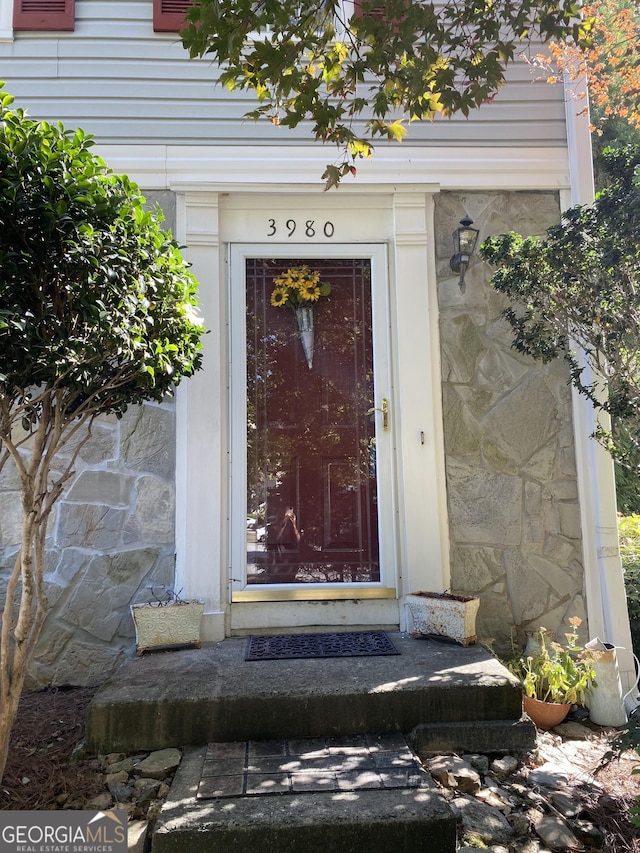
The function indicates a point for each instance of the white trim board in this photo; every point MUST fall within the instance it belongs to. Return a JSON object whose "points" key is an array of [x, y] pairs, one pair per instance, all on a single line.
{"points": [[6, 20], [298, 168], [376, 254]]}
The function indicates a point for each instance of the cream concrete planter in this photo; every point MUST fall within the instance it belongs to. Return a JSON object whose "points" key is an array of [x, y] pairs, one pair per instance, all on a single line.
{"points": [[160, 625], [442, 614]]}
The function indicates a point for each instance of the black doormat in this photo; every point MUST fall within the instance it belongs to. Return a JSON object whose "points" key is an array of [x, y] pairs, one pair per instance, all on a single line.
{"points": [[339, 645]]}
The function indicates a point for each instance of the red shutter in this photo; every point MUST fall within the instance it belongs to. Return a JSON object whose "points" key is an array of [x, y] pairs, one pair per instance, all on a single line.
{"points": [[168, 15], [357, 10], [43, 14]]}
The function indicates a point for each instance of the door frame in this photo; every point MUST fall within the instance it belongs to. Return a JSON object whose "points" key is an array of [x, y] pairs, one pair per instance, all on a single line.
{"points": [[401, 216], [376, 254]]}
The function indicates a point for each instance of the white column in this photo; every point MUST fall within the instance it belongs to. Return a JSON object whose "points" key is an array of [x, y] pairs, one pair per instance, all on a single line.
{"points": [[423, 526], [201, 413], [6, 20]]}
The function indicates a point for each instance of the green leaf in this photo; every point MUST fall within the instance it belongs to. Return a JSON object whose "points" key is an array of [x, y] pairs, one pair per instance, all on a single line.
{"points": [[407, 58]]}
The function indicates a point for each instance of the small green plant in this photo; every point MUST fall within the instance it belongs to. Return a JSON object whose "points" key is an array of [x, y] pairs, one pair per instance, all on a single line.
{"points": [[555, 672]]}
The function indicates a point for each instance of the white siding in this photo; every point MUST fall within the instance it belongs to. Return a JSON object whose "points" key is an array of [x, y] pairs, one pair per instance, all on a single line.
{"points": [[117, 79]]}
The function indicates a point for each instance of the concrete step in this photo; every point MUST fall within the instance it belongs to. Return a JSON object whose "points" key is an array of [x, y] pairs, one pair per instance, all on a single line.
{"points": [[312, 796], [193, 697]]}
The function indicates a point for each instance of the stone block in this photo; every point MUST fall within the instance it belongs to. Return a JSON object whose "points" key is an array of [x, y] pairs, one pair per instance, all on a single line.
{"points": [[475, 567], [569, 514], [104, 487], [155, 510], [461, 430], [529, 592], [501, 370], [108, 581], [160, 763], [484, 507], [10, 519], [72, 561], [482, 821], [559, 549], [90, 526], [492, 621], [51, 643], [524, 421], [495, 458], [542, 464], [148, 440], [461, 346], [564, 489], [492, 736], [556, 576], [101, 445], [86, 664]]}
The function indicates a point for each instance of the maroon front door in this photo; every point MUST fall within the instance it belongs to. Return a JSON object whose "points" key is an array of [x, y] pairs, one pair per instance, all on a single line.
{"points": [[312, 514]]}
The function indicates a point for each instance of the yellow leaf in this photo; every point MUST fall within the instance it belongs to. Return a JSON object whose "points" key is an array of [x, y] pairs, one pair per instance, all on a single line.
{"points": [[397, 130]]}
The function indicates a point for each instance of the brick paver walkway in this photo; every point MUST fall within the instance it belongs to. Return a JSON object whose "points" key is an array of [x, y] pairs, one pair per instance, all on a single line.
{"points": [[255, 768]]}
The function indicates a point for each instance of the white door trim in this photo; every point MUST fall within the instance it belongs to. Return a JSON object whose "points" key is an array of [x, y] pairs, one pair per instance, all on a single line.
{"points": [[376, 253]]}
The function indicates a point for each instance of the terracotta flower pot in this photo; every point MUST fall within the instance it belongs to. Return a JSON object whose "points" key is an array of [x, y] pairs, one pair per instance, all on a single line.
{"points": [[545, 715]]}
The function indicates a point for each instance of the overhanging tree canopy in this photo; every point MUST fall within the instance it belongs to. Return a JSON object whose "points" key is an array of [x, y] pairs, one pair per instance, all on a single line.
{"points": [[609, 63], [362, 70]]}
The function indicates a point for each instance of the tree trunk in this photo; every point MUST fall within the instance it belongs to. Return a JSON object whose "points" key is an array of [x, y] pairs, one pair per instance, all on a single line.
{"points": [[25, 605], [25, 588], [8, 714], [20, 635]]}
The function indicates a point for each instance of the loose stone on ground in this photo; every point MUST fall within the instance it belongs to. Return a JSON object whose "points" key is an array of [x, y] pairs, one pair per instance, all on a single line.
{"points": [[139, 785], [504, 805], [542, 804]]}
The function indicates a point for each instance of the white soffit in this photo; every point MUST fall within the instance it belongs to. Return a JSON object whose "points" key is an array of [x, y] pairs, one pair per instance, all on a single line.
{"points": [[401, 167]]}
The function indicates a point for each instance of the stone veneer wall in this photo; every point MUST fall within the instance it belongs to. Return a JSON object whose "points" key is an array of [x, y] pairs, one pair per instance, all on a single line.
{"points": [[510, 460], [111, 540]]}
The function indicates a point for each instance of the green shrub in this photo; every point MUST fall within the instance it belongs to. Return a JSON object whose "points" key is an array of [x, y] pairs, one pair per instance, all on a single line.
{"points": [[629, 534], [628, 737], [626, 468]]}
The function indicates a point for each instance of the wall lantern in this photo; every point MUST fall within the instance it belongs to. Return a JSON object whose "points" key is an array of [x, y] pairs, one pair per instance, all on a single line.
{"points": [[464, 240]]}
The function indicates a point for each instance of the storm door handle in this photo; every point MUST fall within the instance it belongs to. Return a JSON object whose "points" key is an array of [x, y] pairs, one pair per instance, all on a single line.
{"points": [[384, 408]]}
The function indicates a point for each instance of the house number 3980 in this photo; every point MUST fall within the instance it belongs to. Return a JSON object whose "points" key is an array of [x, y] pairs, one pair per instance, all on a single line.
{"points": [[308, 228]]}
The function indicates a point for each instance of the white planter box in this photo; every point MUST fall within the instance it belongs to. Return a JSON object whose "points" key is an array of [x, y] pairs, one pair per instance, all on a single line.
{"points": [[161, 625], [443, 614]]}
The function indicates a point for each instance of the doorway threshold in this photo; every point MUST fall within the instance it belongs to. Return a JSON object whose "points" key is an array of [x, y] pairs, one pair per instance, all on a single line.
{"points": [[262, 592]]}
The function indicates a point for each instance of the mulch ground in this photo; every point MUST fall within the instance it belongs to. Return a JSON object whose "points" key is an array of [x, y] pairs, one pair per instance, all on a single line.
{"points": [[42, 772]]}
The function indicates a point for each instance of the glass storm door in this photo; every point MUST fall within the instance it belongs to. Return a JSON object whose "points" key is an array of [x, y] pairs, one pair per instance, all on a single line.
{"points": [[310, 420]]}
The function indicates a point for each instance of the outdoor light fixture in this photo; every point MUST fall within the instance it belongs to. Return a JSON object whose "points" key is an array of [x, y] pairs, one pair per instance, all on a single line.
{"points": [[464, 240]]}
